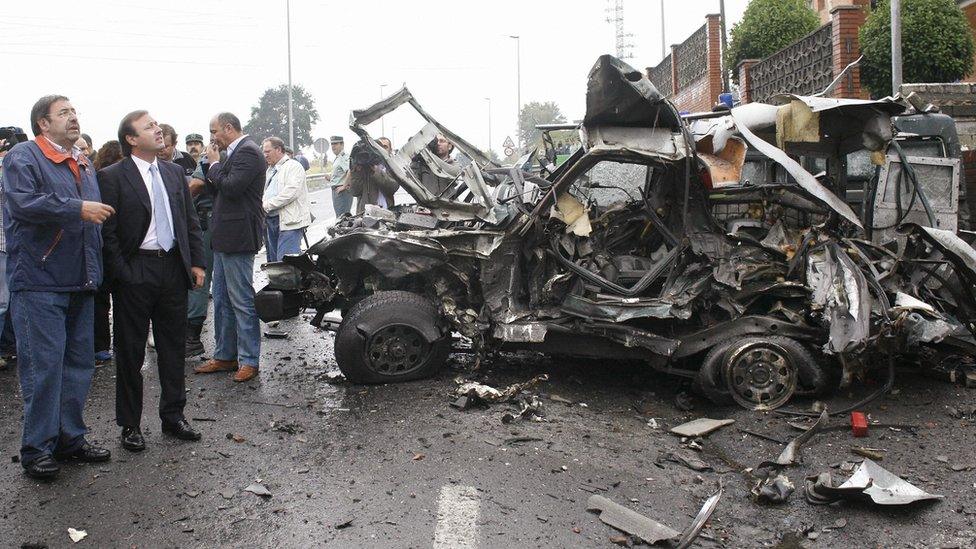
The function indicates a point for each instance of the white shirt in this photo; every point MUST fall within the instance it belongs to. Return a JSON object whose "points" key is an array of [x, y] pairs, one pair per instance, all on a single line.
{"points": [[234, 144], [150, 242]]}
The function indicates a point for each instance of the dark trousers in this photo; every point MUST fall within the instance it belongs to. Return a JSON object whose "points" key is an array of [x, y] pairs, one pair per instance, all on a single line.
{"points": [[157, 292], [103, 305]]}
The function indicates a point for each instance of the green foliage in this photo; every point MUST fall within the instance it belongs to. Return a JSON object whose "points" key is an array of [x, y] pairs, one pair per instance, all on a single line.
{"points": [[936, 44], [768, 26], [536, 113], [270, 117]]}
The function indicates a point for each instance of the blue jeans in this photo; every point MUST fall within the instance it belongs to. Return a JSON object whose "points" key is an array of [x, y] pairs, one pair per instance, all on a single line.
{"points": [[4, 291], [236, 324], [280, 243], [56, 359]]}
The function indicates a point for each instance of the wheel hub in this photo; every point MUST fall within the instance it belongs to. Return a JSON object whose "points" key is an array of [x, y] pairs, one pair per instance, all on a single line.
{"points": [[397, 349], [761, 375]]}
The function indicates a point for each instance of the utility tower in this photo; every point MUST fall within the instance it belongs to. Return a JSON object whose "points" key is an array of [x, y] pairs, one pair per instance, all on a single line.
{"points": [[615, 16]]}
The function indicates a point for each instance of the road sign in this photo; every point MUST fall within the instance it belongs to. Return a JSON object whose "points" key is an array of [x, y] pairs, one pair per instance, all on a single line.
{"points": [[509, 151], [508, 144], [321, 145]]}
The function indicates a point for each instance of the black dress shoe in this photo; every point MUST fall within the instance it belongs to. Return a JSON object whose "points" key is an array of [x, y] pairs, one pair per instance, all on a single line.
{"points": [[87, 453], [42, 468], [181, 430], [132, 439]]}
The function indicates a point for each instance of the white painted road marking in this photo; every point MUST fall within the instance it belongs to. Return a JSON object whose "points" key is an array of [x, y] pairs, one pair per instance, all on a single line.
{"points": [[457, 518]]}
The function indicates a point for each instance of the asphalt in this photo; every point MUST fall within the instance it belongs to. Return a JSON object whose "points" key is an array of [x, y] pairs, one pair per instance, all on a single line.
{"points": [[397, 466]]}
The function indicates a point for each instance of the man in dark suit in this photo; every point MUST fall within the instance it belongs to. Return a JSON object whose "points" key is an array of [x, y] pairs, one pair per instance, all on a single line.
{"points": [[237, 233], [153, 253]]}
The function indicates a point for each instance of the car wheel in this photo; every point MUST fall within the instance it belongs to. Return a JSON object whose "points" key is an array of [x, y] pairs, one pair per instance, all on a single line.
{"points": [[390, 337], [762, 373]]}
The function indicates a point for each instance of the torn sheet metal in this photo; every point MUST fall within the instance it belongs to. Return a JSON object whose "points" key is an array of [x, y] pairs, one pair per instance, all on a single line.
{"points": [[631, 522], [874, 482], [694, 529], [840, 290], [791, 455], [804, 178], [774, 489], [619, 95], [656, 143], [623, 309], [905, 302]]}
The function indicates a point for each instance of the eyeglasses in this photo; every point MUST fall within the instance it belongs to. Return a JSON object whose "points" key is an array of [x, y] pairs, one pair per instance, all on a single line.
{"points": [[63, 113]]}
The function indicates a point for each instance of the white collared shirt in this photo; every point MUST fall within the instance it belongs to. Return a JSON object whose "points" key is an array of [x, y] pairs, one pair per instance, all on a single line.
{"points": [[75, 152], [234, 144], [150, 242]]}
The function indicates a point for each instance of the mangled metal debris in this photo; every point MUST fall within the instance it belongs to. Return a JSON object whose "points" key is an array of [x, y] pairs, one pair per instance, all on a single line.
{"points": [[774, 489], [869, 482], [479, 392], [733, 248], [700, 427], [649, 530], [792, 453]]}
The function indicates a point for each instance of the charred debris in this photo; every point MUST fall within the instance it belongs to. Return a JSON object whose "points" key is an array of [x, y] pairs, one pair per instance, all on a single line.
{"points": [[773, 250]]}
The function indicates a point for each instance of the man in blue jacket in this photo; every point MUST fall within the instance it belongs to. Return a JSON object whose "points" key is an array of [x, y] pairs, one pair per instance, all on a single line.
{"points": [[53, 213]]}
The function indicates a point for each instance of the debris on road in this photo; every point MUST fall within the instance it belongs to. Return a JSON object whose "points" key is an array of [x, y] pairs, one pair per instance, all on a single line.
{"points": [[630, 522], [479, 392], [689, 459], [776, 489], [258, 490], [694, 529], [859, 424], [791, 454], [531, 408], [870, 453], [700, 427], [76, 535], [870, 482]]}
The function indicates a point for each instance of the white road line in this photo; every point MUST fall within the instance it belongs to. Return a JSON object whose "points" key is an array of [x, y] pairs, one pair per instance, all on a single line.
{"points": [[457, 518]]}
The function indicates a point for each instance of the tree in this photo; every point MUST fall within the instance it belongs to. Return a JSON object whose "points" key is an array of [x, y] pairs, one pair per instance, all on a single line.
{"points": [[536, 113], [936, 44], [270, 117], [768, 26]]}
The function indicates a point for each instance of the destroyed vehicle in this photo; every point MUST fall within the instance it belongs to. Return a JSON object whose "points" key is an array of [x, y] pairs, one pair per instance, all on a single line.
{"points": [[618, 253]]}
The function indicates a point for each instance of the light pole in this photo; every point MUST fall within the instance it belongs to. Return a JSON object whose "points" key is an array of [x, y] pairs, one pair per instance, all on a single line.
{"points": [[488, 99], [382, 122], [291, 118], [518, 87], [725, 46], [663, 47], [896, 75]]}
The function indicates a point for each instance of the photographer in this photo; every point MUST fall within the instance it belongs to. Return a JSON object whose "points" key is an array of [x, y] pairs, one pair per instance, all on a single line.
{"points": [[9, 137], [369, 179]]}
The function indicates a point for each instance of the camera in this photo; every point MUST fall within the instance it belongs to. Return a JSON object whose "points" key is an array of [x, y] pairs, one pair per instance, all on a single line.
{"points": [[11, 135]]}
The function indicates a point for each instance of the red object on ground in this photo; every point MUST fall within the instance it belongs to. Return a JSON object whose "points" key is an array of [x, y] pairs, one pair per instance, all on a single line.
{"points": [[859, 424]]}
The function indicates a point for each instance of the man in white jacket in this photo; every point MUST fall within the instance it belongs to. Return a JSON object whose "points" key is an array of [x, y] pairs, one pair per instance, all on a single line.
{"points": [[285, 201]]}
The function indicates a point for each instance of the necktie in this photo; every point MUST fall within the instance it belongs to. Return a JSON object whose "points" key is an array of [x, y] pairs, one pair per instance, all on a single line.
{"points": [[164, 231]]}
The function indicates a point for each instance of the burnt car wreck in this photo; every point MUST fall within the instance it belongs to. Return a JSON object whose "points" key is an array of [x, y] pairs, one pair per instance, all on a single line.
{"points": [[703, 246]]}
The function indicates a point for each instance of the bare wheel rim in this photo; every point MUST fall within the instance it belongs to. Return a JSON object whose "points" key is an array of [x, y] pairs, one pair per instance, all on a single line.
{"points": [[396, 350], [761, 375]]}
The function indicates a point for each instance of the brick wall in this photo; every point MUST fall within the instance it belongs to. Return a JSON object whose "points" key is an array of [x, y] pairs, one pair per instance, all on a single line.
{"points": [[969, 8], [846, 21]]}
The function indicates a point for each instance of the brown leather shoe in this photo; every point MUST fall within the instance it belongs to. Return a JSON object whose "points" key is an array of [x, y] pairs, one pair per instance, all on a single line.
{"points": [[215, 365], [245, 373]]}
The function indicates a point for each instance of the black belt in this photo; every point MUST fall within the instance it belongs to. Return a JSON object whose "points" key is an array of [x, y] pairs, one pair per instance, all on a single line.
{"points": [[158, 253]]}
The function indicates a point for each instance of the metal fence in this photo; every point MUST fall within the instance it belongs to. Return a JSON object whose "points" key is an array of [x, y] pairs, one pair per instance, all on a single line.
{"points": [[804, 67], [692, 57]]}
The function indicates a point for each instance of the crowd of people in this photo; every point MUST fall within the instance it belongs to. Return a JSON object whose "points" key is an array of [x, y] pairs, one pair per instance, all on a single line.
{"points": [[142, 233]]}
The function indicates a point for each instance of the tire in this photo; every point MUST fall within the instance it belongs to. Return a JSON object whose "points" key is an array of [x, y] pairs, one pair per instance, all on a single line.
{"points": [[390, 337], [710, 378], [819, 375], [762, 373]]}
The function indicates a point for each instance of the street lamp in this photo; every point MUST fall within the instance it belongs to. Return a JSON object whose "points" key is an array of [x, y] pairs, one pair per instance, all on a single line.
{"points": [[518, 86], [488, 99], [382, 122], [291, 117]]}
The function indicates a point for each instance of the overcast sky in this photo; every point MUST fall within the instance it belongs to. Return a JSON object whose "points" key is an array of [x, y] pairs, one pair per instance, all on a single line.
{"points": [[185, 61]]}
